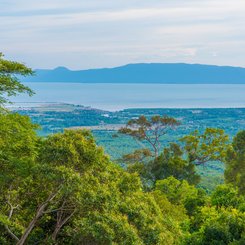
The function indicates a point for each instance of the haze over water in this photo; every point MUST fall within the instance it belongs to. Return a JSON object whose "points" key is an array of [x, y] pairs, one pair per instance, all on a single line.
{"points": [[123, 96]]}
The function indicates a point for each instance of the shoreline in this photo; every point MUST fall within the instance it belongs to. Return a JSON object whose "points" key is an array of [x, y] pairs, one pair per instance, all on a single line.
{"points": [[60, 105]]}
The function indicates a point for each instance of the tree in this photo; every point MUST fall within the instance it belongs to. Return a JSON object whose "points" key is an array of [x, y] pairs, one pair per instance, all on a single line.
{"points": [[212, 145], [138, 156], [176, 191], [18, 149], [10, 85], [235, 162], [225, 196], [138, 162], [221, 220], [180, 193], [72, 194], [171, 162], [63, 189], [217, 226], [112, 206], [150, 130]]}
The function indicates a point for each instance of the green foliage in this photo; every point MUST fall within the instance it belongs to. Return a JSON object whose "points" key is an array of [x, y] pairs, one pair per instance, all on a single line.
{"points": [[67, 191], [225, 196], [73, 148], [175, 160], [18, 148], [17, 136], [218, 226], [175, 216], [221, 221], [211, 175], [235, 162], [212, 145], [63, 189], [172, 163], [9, 81], [56, 117], [181, 193], [150, 130], [138, 156], [176, 191]]}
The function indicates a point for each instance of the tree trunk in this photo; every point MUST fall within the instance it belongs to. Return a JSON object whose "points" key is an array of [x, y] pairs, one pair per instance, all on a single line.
{"points": [[39, 213], [60, 223], [31, 225], [155, 151], [55, 233], [12, 208]]}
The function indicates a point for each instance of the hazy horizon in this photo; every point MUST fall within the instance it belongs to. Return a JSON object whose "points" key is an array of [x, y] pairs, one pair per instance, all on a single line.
{"points": [[114, 97], [127, 64], [95, 34]]}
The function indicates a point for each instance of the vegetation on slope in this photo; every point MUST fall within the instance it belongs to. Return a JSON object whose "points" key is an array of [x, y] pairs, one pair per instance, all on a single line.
{"points": [[63, 189]]}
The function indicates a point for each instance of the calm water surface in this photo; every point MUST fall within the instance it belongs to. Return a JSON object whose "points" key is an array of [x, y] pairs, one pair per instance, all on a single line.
{"points": [[121, 96]]}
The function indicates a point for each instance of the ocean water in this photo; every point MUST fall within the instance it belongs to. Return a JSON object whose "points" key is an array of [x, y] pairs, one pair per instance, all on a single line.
{"points": [[122, 96]]}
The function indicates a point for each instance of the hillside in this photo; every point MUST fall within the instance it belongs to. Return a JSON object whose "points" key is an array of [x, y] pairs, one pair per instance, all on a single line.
{"points": [[146, 73]]}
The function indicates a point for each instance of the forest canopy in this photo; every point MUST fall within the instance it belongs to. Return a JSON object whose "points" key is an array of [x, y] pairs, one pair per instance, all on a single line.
{"points": [[64, 189]]}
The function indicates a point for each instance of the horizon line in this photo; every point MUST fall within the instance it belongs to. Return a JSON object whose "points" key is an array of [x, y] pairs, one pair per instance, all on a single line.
{"points": [[140, 63]]}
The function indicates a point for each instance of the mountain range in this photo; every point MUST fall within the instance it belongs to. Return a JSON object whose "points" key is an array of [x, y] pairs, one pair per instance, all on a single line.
{"points": [[168, 73]]}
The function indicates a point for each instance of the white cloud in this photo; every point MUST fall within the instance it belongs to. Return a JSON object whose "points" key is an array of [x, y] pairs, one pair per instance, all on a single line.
{"points": [[45, 32]]}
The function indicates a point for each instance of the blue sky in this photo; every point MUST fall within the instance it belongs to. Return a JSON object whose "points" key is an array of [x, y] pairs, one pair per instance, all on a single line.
{"points": [[81, 34]]}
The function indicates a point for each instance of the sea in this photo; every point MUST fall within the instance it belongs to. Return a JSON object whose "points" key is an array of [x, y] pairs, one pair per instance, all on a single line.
{"points": [[115, 97]]}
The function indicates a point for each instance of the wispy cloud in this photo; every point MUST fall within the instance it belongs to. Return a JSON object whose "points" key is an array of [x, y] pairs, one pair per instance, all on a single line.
{"points": [[82, 34]]}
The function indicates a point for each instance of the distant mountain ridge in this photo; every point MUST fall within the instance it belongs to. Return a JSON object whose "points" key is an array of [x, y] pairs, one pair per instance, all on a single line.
{"points": [[166, 73]]}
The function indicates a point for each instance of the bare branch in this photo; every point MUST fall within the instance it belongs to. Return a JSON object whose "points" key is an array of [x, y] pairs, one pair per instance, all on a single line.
{"points": [[12, 208]]}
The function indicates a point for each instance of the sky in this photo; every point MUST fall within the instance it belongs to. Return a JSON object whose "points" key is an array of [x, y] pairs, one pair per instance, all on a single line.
{"points": [[83, 34]]}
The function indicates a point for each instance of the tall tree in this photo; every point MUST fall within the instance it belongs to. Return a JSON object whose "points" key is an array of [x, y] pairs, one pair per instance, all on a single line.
{"points": [[212, 145], [150, 130], [172, 162], [72, 194], [235, 162]]}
